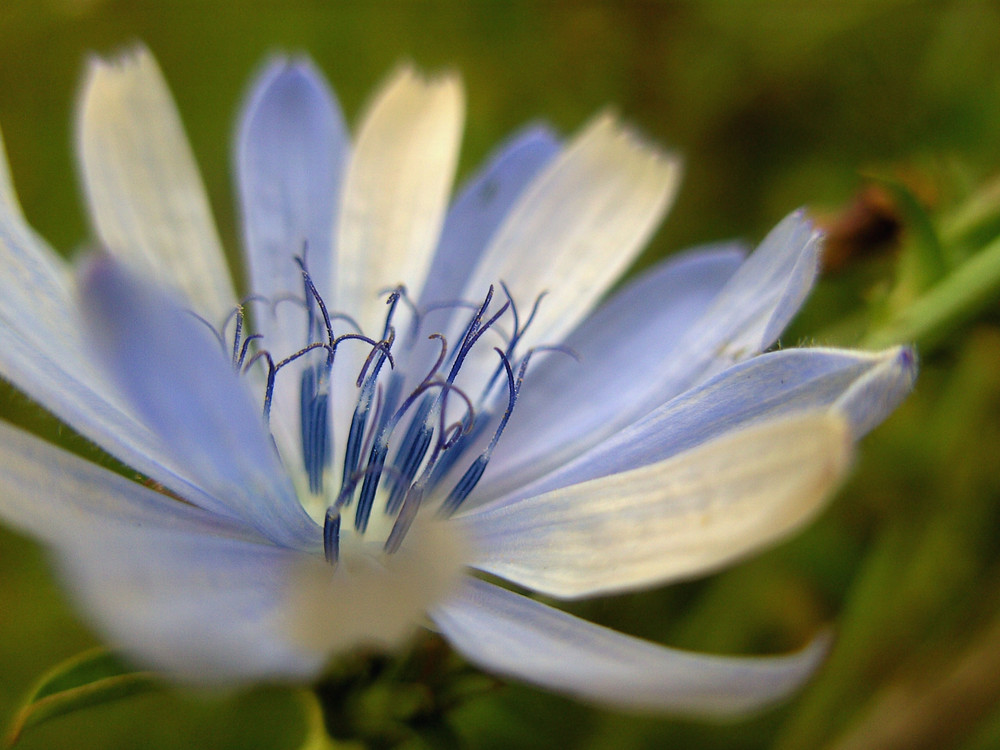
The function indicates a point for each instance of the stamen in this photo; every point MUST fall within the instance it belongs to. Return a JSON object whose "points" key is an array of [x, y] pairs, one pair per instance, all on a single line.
{"points": [[405, 519], [376, 462], [311, 292], [392, 302], [418, 437], [366, 381], [236, 337], [377, 416], [215, 332], [272, 370], [518, 334], [474, 473], [331, 535], [415, 314], [474, 332], [411, 452], [269, 387], [314, 403], [314, 407], [429, 448], [246, 345]]}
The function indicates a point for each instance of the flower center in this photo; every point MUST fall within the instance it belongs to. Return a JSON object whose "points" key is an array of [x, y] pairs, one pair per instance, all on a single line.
{"points": [[422, 408]]}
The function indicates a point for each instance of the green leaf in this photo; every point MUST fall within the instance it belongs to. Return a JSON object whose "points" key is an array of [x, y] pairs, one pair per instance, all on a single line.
{"points": [[87, 679]]}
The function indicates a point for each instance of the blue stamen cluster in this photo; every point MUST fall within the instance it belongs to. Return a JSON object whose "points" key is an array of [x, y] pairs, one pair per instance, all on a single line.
{"points": [[429, 447]]}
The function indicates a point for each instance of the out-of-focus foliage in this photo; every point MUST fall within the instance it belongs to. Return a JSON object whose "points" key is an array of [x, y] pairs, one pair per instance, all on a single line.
{"points": [[882, 117]]}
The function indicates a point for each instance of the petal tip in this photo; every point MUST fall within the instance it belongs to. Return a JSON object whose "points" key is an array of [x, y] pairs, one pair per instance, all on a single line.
{"points": [[908, 360], [121, 62]]}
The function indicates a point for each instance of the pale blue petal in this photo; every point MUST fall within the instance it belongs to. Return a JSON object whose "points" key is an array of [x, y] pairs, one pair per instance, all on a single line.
{"points": [[613, 377], [865, 386], [742, 320], [35, 283], [56, 497], [512, 635], [64, 382], [480, 207], [42, 351], [875, 395], [292, 147], [77, 397], [172, 370], [201, 609], [759, 301], [179, 588]]}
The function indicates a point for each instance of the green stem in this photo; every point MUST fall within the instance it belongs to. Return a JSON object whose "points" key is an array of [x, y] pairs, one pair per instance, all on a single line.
{"points": [[953, 300]]}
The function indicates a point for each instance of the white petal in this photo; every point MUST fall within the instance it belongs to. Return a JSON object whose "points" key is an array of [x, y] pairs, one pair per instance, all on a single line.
{"points": [[145, 196], [578, 226], [396, 191], [481, 206], [183, 388], [509, 634], [864, 387], [478, 210], [568, 403], [291, 152], [682, 517]]}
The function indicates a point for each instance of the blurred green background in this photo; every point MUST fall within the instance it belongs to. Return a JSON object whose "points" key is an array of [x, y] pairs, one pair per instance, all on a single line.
{"points": [[774, 105]]}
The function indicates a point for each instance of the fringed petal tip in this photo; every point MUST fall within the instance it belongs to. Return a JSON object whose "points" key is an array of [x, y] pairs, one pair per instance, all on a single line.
{"points": [[134, 55]]}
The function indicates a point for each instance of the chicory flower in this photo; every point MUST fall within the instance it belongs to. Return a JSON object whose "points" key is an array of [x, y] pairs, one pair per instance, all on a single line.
{"points": [[412, 392]]}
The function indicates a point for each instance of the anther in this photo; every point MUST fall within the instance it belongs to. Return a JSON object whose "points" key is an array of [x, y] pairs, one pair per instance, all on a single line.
{"points": [[417, 439], [331, 535], [366, 381], [314, 404], [475, 471], [376, 462]]}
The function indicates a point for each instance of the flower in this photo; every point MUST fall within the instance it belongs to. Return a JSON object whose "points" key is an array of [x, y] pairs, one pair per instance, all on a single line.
{"points": [[428, 391]]}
